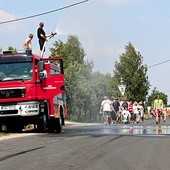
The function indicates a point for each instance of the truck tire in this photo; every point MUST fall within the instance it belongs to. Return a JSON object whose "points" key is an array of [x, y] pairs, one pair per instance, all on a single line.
{"points": [[14, 127], [0, 127], [62, 120], [42, 124], [55, 125], [58, 128]]}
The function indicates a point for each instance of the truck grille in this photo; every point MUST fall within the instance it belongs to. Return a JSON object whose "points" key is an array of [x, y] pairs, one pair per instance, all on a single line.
{"points": [[8, 112], [12, 93]]}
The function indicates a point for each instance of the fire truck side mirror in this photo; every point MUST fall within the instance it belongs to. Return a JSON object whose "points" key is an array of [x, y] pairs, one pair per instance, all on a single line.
{"points": [[42, 71], [41, 66]]}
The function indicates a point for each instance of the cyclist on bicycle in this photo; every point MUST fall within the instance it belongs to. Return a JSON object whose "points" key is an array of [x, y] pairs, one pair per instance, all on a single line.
{"points": [[158, 106]]}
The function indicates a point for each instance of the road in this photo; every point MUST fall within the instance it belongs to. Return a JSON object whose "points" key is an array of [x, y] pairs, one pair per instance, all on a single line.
{"points": [[91, 147]]}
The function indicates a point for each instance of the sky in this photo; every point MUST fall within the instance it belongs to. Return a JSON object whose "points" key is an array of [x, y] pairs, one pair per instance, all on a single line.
{"points": [[103, 27]]}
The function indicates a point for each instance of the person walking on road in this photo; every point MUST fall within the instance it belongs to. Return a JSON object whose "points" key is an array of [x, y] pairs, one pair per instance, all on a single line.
{"points": [[106, 108], [130, 108], [116, 106], [125, 103], [158, 106], [141, 109], [126, 115], [135, 112]]}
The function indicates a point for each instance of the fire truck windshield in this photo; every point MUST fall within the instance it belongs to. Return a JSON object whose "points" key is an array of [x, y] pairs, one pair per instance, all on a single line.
{"points": [[15, 69]]}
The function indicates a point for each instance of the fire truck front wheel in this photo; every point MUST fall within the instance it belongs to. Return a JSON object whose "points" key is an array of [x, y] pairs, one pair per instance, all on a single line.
{"points": [[14, 127], [1, 127], [42, 125]]}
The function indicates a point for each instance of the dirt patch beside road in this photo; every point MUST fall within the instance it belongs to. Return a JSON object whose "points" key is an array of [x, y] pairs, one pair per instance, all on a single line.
{"points": [[14, 135]]}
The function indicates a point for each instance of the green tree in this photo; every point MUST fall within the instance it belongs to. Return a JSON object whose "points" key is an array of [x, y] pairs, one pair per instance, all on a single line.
{"points": [[72, 51], [85, 88], [10, 48], [134, 74], [73, 55]]}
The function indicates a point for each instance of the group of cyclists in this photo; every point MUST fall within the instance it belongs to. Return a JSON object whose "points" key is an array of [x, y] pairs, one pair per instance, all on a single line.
{"points": [[123, 111]]}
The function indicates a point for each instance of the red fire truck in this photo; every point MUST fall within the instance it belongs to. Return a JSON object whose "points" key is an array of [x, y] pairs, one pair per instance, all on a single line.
{"points": [[32, 91]]}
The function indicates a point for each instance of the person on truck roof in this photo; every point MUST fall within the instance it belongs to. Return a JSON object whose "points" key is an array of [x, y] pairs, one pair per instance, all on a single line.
{"points": [[27, 44], [41, 36]]}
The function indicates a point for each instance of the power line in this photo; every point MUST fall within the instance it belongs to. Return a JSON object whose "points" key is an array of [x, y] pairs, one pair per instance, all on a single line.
{"points": [[158, 63], [44, 13]]}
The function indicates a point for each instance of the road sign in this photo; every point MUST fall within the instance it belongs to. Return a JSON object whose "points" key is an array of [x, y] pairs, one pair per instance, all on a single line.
{"points": [[122, 88]]}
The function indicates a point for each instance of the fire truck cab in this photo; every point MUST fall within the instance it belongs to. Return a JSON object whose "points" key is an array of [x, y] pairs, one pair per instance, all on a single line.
{"points": [[32, 91]]}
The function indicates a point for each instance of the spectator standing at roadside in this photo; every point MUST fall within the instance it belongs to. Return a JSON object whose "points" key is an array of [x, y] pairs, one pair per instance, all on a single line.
{"points": [[120, 101], [135, 111], [125, 104], [141, 109], [130, 108], [106, 108]]}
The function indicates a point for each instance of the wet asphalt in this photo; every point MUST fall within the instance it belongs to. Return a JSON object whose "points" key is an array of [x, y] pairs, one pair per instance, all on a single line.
{"points": [[146, 128]]}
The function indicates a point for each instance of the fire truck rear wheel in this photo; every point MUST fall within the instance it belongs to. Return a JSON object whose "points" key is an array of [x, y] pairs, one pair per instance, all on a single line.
{"points": [[55, 125], [58, 125], [62, 120]]}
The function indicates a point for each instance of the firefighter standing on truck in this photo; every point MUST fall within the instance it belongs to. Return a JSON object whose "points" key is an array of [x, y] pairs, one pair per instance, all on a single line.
{"points": [[41, 36]]}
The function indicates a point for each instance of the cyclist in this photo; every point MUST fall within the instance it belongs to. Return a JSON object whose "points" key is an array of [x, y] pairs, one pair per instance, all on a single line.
{"points": [[106, 108], [158, 106]]}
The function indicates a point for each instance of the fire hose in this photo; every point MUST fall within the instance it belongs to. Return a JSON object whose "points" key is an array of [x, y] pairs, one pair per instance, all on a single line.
{"points": [[48, 37]]}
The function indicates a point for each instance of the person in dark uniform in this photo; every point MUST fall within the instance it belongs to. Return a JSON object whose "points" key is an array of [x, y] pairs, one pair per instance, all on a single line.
{"points": [[41, 36], [116, 106]]}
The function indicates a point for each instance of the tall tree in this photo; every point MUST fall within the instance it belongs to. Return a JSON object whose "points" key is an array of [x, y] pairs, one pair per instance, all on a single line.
{"points": [[73, 55], [134, 74]]}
